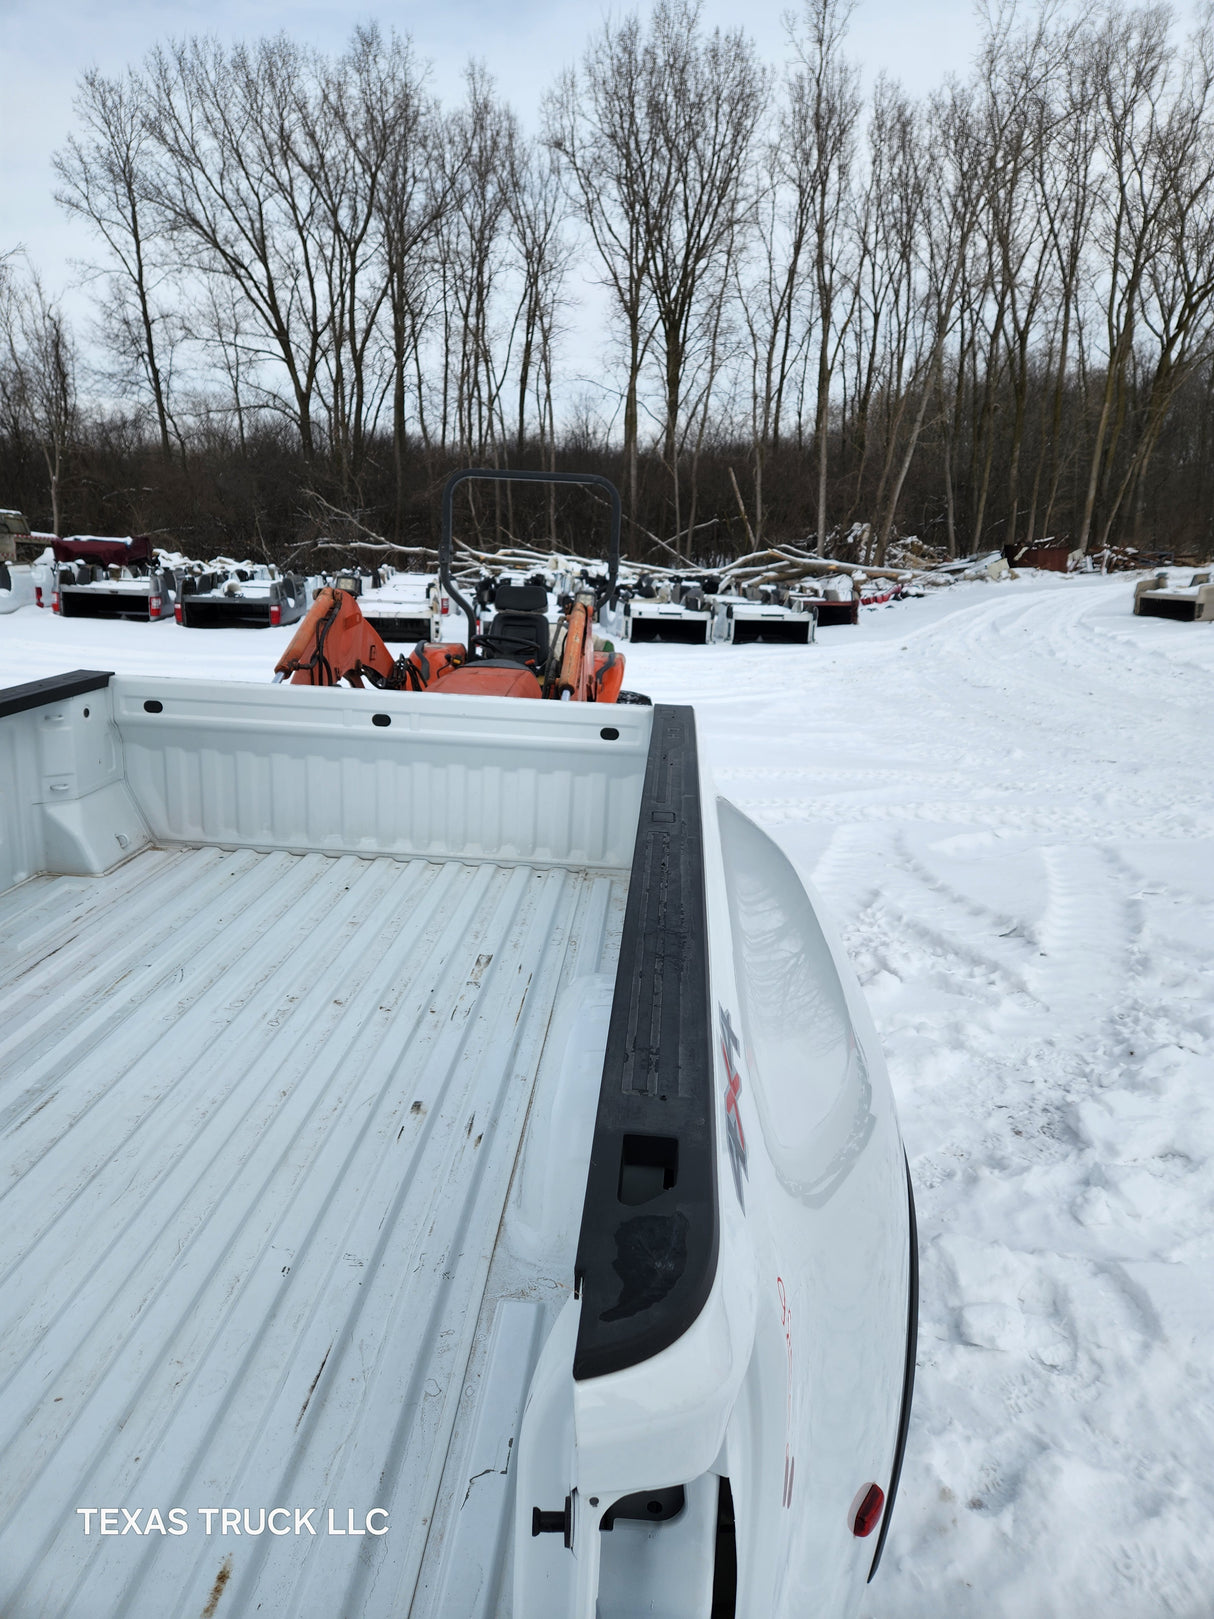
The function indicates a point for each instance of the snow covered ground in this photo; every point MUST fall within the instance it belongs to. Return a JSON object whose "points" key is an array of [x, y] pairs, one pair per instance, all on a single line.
{"points": [[1006, 795]]}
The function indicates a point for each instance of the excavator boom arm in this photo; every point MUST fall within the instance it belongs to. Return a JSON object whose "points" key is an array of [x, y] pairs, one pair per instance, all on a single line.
{"points": [[333, 643]]}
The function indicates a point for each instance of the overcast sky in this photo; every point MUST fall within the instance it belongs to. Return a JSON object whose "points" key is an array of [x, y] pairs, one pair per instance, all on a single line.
{"points": [[46, 44]]}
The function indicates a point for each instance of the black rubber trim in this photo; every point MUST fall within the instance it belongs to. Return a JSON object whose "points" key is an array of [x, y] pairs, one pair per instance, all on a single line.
{"points": [[684, 631], [646, 1263], [908, 1374], [54, 689], [1184, 609], [772, 631]]}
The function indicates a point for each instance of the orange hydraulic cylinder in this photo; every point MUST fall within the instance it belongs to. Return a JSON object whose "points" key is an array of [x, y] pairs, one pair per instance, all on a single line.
{"points": [[576, 665]]}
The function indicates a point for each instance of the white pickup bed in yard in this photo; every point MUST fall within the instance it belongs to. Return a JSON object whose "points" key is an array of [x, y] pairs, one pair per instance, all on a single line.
{"points": [[393, 1222], [261, 1114]]}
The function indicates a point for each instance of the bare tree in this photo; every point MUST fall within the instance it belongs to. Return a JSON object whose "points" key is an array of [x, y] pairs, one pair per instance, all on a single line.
{"points": [[415, 191], [705, 100], [598, 122], [825, 107], [992, 307], [1138, 123], [38, 374], [768, 280], [368, 147], [537, 209], [241, 205], [1176, 291], [218, 323], [918, 300], [886, 256], [475, 253], [103, 180], [1019, 111]]}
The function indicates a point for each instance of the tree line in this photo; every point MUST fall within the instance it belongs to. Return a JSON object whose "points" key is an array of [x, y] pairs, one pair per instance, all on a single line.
{"points": [[983, 315]]}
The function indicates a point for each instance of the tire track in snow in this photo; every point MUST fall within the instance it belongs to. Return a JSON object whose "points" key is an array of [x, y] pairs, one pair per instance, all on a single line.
{"points": [[948, 921], [1084, 936], [1051, 1391]]}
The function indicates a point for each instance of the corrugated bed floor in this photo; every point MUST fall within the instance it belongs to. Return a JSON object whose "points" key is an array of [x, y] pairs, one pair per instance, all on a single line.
{"points": [[258, 1118]]}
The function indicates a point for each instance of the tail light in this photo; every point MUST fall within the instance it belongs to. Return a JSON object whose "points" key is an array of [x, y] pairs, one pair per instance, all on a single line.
{"points": [[867, 1510], [38, 596], [55, 608], [177, 613], [275, 614], [153, 606], [446, 605]]}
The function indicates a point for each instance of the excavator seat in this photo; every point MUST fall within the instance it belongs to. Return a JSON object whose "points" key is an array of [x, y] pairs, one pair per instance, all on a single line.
{"points": [[519, 628]]}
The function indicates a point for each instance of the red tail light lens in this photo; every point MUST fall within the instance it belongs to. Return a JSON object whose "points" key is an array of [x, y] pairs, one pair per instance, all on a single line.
{"points": [[177, 614], [275, 614], [153, 606], [446, 605], [866, 1513], [54, 601], [38, 602]]}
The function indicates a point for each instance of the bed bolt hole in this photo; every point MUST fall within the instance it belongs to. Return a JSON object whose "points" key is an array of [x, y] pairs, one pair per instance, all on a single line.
{"points": [[649, 1166], [381, 719], [153, 707], [609, 734]]}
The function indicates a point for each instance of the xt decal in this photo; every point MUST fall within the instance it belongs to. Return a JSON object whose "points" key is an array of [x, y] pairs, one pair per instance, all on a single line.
{"points": [[735, 1136]]}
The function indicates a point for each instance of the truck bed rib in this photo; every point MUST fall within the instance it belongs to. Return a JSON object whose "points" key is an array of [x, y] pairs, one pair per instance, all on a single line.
{"points": [[258, 1119]]}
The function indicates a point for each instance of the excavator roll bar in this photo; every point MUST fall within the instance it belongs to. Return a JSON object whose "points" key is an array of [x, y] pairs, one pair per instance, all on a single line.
{"points": [[495, 475]]}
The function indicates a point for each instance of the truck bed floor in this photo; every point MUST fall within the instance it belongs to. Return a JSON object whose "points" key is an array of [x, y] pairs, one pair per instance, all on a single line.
{"points": [[258, 1119]]}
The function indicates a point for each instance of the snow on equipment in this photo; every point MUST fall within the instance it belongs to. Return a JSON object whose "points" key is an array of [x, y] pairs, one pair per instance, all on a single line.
{"points": [[18, 585], [250, 595], [839, 602], [402, 606], [99, 577], [669, 610], [742, 621], [998, 564], [13, 525], [1192, 604]]}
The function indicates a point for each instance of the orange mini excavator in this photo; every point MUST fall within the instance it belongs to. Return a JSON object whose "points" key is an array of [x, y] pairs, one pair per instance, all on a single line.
{"points": [[521, 656]]}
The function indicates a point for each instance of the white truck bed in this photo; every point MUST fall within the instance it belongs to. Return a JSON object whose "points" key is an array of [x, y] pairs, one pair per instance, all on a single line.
{"points": [[264, 1161], [259, 1117], [381, 1149]]}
